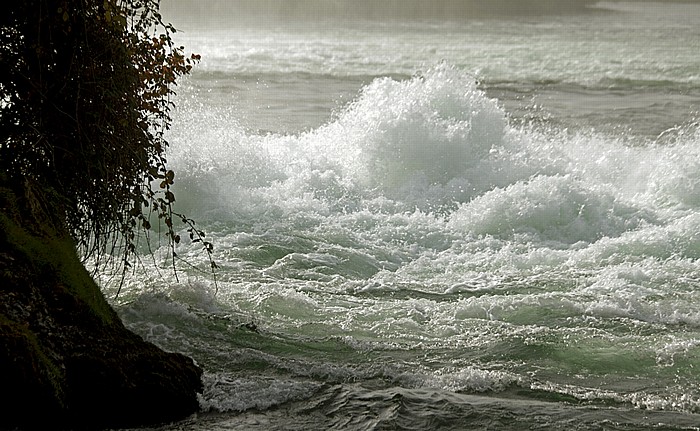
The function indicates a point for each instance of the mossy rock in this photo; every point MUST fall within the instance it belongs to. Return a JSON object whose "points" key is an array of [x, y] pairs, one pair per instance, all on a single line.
{"points": [[64, 353]]}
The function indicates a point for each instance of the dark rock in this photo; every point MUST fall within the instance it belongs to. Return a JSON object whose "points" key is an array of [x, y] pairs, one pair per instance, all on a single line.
{"points": [[65, 356]]}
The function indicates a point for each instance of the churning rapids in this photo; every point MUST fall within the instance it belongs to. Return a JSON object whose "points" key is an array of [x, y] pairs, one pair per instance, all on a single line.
{"points": [[483, 225]]}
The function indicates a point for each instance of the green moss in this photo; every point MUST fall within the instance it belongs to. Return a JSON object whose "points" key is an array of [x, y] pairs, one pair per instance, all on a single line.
{"points": [[51, 252], [63, 350]]}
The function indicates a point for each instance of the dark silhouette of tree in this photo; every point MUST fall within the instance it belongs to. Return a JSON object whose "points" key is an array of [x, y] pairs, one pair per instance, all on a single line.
{"points": [[85, 98]]}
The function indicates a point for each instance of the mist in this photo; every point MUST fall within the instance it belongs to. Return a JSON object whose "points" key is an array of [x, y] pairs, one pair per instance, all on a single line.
{"points": [[222, 11]]}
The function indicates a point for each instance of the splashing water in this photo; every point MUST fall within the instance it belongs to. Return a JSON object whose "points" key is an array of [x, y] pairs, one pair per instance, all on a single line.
{"points": [[423, 260]]}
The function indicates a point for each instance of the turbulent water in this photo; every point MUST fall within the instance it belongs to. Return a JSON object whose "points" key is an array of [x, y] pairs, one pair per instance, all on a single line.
{"points": [[484, 224]]}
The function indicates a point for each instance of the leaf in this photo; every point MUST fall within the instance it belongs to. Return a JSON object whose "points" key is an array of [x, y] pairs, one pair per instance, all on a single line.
{"points": [[65, 16]]}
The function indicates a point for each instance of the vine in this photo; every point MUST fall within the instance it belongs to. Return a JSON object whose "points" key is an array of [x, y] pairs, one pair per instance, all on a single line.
{"points": [[85, 102]]}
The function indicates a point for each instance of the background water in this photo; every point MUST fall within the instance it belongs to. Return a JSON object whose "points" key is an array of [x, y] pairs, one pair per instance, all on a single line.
{"points": [[482, 224]]}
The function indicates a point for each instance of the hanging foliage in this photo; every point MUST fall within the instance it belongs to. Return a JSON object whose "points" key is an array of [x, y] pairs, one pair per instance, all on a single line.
{"points": [[85, 101]]}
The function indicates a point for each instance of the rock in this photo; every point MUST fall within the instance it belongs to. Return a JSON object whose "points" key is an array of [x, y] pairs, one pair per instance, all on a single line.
{"points": [[65, 355]]}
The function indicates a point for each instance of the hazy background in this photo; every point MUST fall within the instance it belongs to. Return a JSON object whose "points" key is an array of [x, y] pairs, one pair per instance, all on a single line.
{"points": [[219, 11]]}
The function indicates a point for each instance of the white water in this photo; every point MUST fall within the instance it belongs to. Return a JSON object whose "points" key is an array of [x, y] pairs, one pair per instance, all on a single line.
{"points": [[500, 229]]}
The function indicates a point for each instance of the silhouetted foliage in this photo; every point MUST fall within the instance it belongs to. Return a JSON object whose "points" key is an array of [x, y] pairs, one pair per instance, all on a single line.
{"points": [[85, 98]]}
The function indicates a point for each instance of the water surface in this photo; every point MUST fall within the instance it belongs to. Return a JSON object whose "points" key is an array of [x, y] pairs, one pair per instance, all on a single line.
{"points": [[430, 224]]}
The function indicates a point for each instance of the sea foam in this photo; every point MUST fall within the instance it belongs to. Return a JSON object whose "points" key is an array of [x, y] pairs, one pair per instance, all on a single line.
{"points": [[434, 142]]}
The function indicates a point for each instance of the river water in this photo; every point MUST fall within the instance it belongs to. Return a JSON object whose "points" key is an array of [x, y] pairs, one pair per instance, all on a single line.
{"points": [[490, 223]]}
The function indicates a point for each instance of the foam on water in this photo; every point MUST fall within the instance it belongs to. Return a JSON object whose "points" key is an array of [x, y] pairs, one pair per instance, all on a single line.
{"points": [[435, 143], [225, 393], [423, 239], [427, 172]]}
